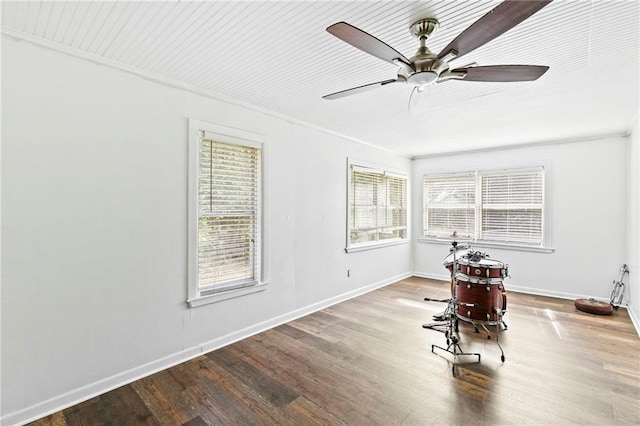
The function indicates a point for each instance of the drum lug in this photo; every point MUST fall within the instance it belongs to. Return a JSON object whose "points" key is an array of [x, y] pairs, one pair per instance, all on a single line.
{"points": [[488, 288]]}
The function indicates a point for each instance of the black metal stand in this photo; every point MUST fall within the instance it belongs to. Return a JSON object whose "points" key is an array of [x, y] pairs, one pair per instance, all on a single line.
{"points": [[458, 356], [449, 326]]}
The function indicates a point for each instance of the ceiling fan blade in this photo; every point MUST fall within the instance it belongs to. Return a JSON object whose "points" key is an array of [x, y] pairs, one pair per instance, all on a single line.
{"points": [[502, 18], [358, 89], [366, 42], [503, 73]]}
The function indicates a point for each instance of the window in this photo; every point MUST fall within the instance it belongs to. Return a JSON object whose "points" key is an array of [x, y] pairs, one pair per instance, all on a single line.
{"points": [[450, 204], [505, 206], [225, 206], [377, 207], [512, 207]]}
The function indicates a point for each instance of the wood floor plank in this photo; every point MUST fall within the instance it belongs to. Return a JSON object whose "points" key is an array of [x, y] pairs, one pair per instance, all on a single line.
{"points": [[308, 413], [118, 407], [265, 386], [368, 361], [196, 421], [163, 399]]}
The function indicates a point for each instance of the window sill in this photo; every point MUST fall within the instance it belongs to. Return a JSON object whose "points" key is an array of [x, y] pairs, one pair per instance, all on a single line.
{"points": [[491, 245], [225, 295], [375, 245]]}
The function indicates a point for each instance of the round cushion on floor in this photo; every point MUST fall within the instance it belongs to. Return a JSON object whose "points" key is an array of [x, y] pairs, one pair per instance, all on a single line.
{"points": [[593, 306]]}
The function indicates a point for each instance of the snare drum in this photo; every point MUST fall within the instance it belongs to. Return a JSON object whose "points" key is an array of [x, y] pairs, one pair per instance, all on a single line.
{"points": [[478, 298], [460, 251], [483, 268]]}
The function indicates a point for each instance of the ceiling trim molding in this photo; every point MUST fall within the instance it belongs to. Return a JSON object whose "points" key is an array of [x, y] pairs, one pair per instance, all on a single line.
{"points": [[19, 36], [526, 145]]}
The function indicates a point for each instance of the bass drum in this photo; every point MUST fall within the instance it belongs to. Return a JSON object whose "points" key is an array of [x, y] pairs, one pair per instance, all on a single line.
{"points": [[460, 251], [483, 267], [480, 298]]}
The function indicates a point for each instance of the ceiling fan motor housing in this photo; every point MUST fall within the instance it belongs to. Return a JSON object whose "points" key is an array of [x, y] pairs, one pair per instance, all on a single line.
{"points": [[426, 67]]}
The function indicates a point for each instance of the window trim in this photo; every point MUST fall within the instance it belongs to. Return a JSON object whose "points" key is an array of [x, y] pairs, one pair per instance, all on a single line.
{"points": [[223, 134], [369, 245], [545, 247]]}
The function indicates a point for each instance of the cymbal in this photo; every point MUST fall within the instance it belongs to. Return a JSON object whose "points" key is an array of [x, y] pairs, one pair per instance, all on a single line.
{"points": [[455, 237]]}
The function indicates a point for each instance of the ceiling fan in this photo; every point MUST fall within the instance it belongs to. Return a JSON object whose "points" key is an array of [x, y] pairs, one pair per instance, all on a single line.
{"points": [[426, 68]]}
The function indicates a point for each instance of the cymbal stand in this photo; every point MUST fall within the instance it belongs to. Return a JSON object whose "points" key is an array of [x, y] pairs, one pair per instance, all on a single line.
{"points": [[450, 326]]}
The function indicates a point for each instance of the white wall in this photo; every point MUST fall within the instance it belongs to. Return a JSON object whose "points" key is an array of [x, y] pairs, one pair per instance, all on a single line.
{"points": [[94, 228], [633, 237], [587, 215]]}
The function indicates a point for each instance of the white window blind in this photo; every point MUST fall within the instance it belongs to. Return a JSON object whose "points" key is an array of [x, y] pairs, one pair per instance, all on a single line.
{"points": [[449, 204], [228, 216], [377, 206], [512, 205], [503, 206]]}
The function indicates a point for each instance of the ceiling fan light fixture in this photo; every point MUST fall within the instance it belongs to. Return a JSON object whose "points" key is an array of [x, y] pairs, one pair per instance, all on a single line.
{"points": [[423, 78]]}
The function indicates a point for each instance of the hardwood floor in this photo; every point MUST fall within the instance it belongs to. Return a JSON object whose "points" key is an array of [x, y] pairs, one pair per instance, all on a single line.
{"points": [[369, 361]]}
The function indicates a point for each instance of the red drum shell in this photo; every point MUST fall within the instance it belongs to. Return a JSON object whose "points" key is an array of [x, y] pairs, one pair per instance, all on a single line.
{"points": [[486, 294], [485, 268]]}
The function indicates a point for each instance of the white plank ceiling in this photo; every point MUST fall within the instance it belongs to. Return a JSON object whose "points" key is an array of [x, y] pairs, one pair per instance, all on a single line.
{"points": [[277, 56]]}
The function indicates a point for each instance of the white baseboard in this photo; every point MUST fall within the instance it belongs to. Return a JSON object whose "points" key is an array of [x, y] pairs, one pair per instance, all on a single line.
{"points": [[634, 318], [548, 293], [432, 276], [91, 390]]}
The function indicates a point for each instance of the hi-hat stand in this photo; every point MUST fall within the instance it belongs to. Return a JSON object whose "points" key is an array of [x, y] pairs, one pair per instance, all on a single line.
{"points": [[449, 323]]}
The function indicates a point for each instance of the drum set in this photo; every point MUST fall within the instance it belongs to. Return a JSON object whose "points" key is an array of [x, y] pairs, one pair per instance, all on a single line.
{"points": [[478, 297]]}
